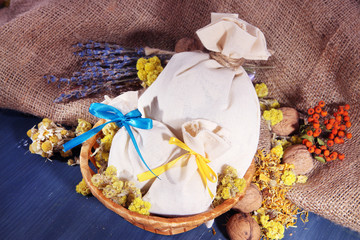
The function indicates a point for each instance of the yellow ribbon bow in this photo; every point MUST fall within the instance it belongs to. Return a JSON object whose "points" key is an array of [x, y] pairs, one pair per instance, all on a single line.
{"points": [[205, 171]]}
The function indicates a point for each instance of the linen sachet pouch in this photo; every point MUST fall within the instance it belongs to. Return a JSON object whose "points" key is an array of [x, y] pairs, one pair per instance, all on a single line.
{"points": [[180, 189], [194, 85], [153, 144]]}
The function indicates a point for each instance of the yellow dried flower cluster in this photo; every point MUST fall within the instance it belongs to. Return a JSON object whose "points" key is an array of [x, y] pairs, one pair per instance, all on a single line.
{"points": [[284, 142], [83, 188], [102, 152], [278, 151], [148, 70], [288, 178], [274, 179], [274, 230], [48, 139], [228, 185], [265, 103], [124, 193], [261, 90], [140, 206], [83, 126], [273, 115]]}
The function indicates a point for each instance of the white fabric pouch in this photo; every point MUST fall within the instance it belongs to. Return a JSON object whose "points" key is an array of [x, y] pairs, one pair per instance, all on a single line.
{"points": [[181, 190], [152, 143], [195, 86]]}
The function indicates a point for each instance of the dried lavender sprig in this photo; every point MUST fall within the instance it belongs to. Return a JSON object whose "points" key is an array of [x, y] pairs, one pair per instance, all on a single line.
{"points": [[108, 64], [111, 59], [107, 52], [93, 74], [95, 78], [103, 80], [92, 45], [89, 90], [104, 71], [107, 67]]}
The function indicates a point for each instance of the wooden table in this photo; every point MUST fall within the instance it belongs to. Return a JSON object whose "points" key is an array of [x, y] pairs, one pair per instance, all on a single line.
{"points": [[38, 200]]}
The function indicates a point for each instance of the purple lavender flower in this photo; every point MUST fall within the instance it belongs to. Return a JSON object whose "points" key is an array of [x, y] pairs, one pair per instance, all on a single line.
{"points": [[106, 67]]}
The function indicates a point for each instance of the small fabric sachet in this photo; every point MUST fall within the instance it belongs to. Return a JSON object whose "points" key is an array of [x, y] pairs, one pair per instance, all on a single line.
{"points": [[152, 143], [188, 182]]}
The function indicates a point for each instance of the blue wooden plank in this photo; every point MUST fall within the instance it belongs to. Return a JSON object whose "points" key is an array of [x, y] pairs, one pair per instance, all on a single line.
{"points": [[38, 200]]}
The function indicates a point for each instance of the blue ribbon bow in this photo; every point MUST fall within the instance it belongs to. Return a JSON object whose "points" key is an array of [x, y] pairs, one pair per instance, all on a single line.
{"points": [[111, 113]]}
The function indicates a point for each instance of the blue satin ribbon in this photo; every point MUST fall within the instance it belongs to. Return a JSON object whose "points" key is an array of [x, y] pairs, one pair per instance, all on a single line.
{"points": [[113, 114]]}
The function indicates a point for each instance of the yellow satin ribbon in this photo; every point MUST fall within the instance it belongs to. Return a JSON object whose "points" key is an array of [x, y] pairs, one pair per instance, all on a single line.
{"points": [[205, 171]]}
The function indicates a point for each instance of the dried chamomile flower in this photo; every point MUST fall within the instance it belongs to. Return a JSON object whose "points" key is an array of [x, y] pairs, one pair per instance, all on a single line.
{"points": [[49, 138], [124, 193], [228, 185], [82, 188], [102, 152]]}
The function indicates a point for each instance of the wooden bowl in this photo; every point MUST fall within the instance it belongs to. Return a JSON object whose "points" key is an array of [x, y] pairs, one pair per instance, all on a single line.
{"points": [[152, 223]]}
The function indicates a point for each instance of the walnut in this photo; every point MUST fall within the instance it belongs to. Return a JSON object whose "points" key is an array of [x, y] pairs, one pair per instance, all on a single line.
{"points": [[289, 124], [188, 44], [300, 157], [251, 201], [242, 226]]}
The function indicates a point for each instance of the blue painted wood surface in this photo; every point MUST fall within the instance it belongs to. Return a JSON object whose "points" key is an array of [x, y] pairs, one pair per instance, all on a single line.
{"points": [[38, 200]]}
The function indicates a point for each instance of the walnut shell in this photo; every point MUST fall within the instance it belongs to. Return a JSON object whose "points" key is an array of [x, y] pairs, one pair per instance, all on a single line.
{"points": [[251, 201], [300, 157], [188, 44], [242, 226], [289, 124]]}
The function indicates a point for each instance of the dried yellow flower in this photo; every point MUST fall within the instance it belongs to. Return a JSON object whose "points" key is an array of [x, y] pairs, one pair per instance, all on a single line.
{"points": [[273, 115], [148, 69], [274, 179], [277, 151], [261, 90], [46, 146], [82, 188]]}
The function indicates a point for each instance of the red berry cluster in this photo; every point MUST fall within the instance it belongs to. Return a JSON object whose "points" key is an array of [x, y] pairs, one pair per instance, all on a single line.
{"points": [[323, 134]]}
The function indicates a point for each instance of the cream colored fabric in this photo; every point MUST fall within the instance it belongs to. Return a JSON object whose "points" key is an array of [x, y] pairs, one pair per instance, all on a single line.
{"points": [[153, 144], [233, 37], [181, 190], [193, 86]]}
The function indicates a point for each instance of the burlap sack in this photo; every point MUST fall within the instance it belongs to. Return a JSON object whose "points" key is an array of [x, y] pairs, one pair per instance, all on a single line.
{"points": [[317, 57]]}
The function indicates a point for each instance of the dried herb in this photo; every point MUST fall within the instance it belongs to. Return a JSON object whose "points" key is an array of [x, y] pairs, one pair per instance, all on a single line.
{"points": [[106, 68]]}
